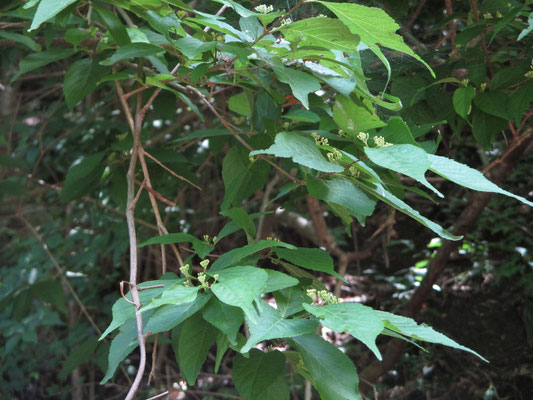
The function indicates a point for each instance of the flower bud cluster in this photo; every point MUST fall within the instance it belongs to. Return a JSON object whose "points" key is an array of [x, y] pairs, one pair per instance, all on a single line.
{"points": [[324, 295]]}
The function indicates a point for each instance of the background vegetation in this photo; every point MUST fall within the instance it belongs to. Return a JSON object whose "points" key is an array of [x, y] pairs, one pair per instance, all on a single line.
{"points": [[65, 150]]}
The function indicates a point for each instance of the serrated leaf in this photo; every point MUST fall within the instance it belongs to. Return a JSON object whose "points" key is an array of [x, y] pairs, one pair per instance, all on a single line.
{"points": [[409, 327], [80, 80], [240, 286], [468, 177], [373, 26], [81, 177], [302, 150], [485, 127], [174, 295], [333, 373], [234, 256], [267, 323], [278, 280], [47, 9], [226, 318], [115, 26], [342, 192], [239, 216], [360, 321], [260, 376], [289, 301], [195, 338], [300, 82], [462, 100], [40, 59], [310, 258], [406, 159], [493, 103], [327, 33], [354, 116]]}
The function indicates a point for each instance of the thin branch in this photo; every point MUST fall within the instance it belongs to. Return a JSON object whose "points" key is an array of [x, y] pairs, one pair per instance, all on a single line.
{"points": [[170, 171]]}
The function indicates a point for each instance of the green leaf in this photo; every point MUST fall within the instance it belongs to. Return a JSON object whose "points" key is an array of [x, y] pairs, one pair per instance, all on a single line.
{"points": [[408, 327], [342, 192], [51, 291], [405, 159], [82, 176], [123, 311], [309, 258], [78, 355], [333, 373], [397, 132], [300, 82], [241, 177], [362, 322], [527, 30], [201, 248], [239, 216], [226, 318], [493, 103], [115, 26], [267, 323], [234, 256], [278, 280], [48, 9], [327, 33], [169, 316], [468, 177], [462, 100], [260, 376], [485, 128], [80, 80], [373, 26], [240, 286], [240, 104], [302, 116], [302, 150], [40, 59], [194, 340], [222, 347], [132, 50], [289, 301], [354, 116], [175, 294], [191, 47], [22, 39]]}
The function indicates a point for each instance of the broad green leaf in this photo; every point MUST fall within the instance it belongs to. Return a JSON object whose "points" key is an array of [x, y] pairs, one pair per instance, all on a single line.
{"points": [[468, 177], [122, 310], [222, 346], [493, 103], [226, 318], [234, 256], [302, 116], [354, 116], [241, 176], [51, 291], [520, 101], [40, 59], [82, 176], [309, 258], [175, 295], [195, 338], [327, 33], [115, 26], [267, 323], [373, 26], [333, 373], [239, 216], [221, 26], [397, 132], [252, 27], [302, 150], [239, 287], [240, 104], [405, 159], [48, 9], [342, 192], [169, 316], [360, 321], [78, 355], [22, 39], [260, 376], [462, 100], [201, 248], [232, 227], [486, 127], [202, 133], [277, 281], [191, 47], [132, 50], [289, 301], [300, 82], [80, 80], [409, 327]]}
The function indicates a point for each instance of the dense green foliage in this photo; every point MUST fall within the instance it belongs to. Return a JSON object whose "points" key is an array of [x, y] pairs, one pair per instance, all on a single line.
{"points": [[203, 122]]}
